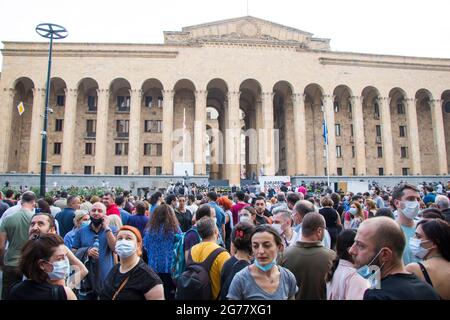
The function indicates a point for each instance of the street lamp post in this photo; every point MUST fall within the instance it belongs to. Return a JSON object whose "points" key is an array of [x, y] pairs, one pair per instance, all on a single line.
{"points": [[50, 31]]}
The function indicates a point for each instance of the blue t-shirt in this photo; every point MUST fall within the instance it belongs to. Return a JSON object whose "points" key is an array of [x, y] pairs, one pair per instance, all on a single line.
{"points": [[408, 256], [220, 215], [139, 222], [84, 237]]}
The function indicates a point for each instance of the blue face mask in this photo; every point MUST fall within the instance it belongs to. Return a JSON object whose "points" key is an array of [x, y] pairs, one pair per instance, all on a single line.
{"points": [[85, 223], [368, 271], [60, 270], [267, 267]]}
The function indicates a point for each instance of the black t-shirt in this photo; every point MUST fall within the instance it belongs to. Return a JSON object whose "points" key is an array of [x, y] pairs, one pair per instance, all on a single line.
{"points": [[330, 215], [185, 220], [141, 279], [261, 219], [229, 269], [31, 290], [402, 286]]}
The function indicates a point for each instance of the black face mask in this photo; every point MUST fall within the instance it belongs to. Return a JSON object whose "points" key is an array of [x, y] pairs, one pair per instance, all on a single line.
{"points": [[96, 222]]}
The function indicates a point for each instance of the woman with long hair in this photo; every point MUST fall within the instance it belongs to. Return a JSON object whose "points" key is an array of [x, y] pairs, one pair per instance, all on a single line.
{"points": [[159, 241], [356, 216]]}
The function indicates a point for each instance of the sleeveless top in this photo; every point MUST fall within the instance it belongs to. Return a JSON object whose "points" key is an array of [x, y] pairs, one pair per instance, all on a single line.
{"points": [[31, 290]]}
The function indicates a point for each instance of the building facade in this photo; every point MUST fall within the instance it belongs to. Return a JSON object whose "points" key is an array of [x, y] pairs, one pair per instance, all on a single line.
{"points": [[235, 98]]}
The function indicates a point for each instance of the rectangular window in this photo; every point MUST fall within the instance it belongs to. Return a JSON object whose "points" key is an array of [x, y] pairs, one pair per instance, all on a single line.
{"points": [[60, 100], [147, 148], [376, 110], [154, 126], [336, 106], [400, 108], [325, 171], [92, 103], [117, 171], [57, 148], [122, 128], [404, 152], [405, 171], [283, 153], [148, 101], [339, 171], [351, 130], [402, 130], [56, 170], [89, 148], [159, 149], [354, 171], [378, 130], [59, 125], [381, 171], [338, 152], [146, 171], [88, 169], [350, 110], [121, 149], [91, 128], [160, 102], [353, 151], [338, 129], [380, 152], [158, 171], [123, 103]]}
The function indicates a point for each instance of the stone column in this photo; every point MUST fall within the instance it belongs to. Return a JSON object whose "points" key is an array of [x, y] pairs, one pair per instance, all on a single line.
{"points": [[134, 144], [388, 149], [329, 117], [6, 109], [358, 133], [233, 139], [439, 135], [268, 141], [101, 131], [34, 153], [200, 132], [70, 113], [167, 132], [298, 100], [413, 136]]}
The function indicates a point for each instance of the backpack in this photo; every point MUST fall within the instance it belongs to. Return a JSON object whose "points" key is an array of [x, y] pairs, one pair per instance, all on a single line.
{"points": [[195, 283], [178, 257]]}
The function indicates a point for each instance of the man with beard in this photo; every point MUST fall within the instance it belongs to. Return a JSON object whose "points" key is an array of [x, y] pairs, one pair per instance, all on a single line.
{"points": [[377, 254]]}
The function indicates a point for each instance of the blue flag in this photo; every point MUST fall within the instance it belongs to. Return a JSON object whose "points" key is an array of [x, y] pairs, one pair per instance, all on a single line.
{"points": [[325, 132]]}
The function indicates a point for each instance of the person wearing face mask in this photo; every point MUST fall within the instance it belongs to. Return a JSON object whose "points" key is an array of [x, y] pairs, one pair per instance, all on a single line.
{"points": [[431, 243], [406, 200], [247, 214], [94, 244], [282, 222], [356, 216], [309, 260], [377, 255], [132, 278], [44, 263], [80, 220], [264, 279]]}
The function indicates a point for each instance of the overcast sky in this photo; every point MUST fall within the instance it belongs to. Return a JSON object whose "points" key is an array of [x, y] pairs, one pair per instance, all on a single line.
{"points": [[397, 27]]}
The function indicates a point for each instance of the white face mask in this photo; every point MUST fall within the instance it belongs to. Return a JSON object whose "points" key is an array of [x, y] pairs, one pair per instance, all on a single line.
{"points": [[125, 248], [60, 270], [416, 248], [278, 228], [244, 218], [411, 209]]}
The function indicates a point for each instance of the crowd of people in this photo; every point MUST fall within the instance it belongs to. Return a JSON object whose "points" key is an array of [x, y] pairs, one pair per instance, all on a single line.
{"points": [[188, 243]]}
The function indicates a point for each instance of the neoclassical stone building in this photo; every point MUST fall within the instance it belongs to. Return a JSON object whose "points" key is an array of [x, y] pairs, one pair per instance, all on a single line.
{"points": [[248, 95]]}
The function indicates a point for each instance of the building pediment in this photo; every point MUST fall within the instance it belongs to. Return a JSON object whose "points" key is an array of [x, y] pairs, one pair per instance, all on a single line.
{"points": [[249, 30]]}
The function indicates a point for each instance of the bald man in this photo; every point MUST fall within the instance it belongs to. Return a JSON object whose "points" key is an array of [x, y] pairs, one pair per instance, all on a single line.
{"points": [[379, 244]]}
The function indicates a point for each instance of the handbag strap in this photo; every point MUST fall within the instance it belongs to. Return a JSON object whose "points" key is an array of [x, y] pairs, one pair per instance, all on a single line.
{"points": [[124, 282], [425, 273]]}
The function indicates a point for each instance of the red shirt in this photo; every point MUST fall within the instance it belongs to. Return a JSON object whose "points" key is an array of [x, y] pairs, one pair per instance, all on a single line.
{"points": [[235, 211], [112, 209]]}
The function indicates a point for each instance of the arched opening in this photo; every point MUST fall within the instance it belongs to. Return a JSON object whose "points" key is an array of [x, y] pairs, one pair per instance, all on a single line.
{"points": [[372, 132], [343, 129], [315, 147], [86, 126], [283, 118], [151, 109], [445, 97], [400, 140], [251, 118], [427, 146], [20, 130], [119, 121]]}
